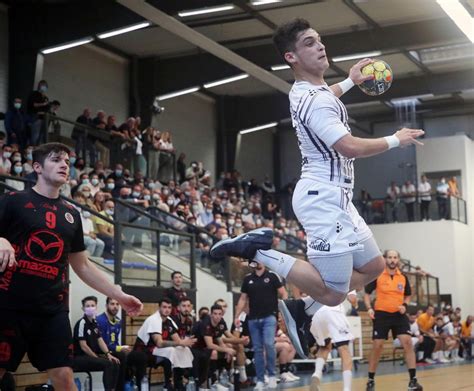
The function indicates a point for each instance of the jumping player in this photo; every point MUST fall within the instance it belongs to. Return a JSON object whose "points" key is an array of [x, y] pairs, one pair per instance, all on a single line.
{"points": [[342, 252], [40, 235]]}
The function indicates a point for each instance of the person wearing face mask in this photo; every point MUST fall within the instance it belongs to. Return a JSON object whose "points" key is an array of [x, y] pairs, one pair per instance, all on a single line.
{"points": [[90, 351], [17, 172], [94, 184], [105, 229], [15, 124], [38, 106], [5, 161], [28, 161]]}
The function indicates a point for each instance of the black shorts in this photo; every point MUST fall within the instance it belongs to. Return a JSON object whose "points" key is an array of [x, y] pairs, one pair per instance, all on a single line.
{"points": [[386, 321], [47, 339]]}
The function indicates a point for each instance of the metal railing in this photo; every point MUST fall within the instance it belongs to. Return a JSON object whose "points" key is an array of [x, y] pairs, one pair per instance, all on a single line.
{"points": [[384, 211], [90, 141]]}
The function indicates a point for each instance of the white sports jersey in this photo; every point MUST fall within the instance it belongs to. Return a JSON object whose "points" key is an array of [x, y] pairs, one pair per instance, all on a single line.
{"points": [[320, 120]]}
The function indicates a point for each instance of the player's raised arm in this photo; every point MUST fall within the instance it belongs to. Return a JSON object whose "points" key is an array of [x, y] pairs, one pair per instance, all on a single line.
{"points": [[355, 78], [355, 147]]}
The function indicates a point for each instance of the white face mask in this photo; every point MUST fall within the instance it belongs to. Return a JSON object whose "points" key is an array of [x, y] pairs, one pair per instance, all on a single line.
{"points": [[95, 181], [231, 221], [86, 214], [110, 212], [225, 237], [7, 155]]}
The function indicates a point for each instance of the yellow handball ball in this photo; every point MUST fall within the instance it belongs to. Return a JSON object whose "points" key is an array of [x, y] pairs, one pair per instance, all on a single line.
{"points": [[382, 78]]}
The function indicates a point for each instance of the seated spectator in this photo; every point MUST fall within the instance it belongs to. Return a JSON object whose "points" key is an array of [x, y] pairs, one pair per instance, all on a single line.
{"points": [[467, 337], [105, 230], [209, 337], [95, 184], [416, 337], [94, 245], [430, 343], [99, 200], [28, 161], [158, 338], [16, 124], [16, 172], [285, 352], [5, 161], [90, 351]]}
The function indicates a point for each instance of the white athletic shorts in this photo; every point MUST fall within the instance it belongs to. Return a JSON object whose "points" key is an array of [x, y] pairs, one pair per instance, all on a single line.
{"points": [[332, 224], [330, 323]]}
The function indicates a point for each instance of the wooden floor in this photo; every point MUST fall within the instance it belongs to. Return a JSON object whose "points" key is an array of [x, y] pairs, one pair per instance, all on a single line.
{"points": [[460, 377]]}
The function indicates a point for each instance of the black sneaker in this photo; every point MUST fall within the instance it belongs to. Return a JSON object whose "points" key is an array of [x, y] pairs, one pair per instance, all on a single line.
{"points": [[245, 245], [414, 385], [370, 385], [296, 322]]}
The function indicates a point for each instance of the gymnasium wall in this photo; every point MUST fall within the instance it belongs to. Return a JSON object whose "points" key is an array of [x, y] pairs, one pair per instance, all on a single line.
{"points": [[87, 76], [3, 61], [191, 119], [254, 157]]}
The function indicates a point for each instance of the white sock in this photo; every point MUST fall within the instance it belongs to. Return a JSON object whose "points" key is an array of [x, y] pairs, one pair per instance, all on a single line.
{"points": [[318, 368], [347, 380], [311, 306], [455, 353], [280, 263], [243, 374]]}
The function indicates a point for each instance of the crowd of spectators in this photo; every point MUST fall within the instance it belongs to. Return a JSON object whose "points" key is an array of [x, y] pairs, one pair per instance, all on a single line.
{"points": [[387, 210]]}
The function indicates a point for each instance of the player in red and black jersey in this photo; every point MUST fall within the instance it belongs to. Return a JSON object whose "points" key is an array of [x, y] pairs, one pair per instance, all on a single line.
{"points": [[208, 332], [175, 293], [40, 235], [184, 320]]}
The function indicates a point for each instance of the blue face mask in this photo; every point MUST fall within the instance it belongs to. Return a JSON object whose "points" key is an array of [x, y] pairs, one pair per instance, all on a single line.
{"points": [[18, 169], [29, 156], [85, 181], [43, 88], [72, 159], [111, 186], [118, 172], [17, 106]]}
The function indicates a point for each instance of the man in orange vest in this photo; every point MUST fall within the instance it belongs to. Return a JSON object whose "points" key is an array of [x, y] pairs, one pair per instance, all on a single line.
{"points": [[393, 292]]}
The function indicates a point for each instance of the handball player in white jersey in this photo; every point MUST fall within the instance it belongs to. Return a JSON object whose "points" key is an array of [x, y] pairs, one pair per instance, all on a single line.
{"points": [[342, 252]]}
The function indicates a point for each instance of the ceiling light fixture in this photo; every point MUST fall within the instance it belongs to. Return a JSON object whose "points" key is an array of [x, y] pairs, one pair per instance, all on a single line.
{"points": [[178, 93], [263, 2], [208, 10], [257, 128], [280, 67], [225, 81], [123, 30], [67, 45], [459, 15], [356, 56]]}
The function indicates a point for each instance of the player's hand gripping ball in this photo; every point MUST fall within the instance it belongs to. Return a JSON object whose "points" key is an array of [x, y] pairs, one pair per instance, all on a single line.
{"points": [[382, 78]]}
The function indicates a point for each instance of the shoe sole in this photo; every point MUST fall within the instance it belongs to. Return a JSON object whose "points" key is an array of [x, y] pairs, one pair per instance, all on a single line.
{"points": [[315, 383], [256, 236], [292, 329]]}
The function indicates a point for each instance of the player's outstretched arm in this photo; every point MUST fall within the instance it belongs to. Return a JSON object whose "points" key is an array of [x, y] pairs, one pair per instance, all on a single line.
{"points": [[96, 279], [354, 147], [7, 255]]}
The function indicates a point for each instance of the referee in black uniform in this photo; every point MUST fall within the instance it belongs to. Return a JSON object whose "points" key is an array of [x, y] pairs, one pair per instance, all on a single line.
{"points": [[40, 235]]}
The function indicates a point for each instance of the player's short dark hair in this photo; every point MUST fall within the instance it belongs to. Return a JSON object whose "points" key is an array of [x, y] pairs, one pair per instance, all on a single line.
{"points": [[385, 253], [220, 301], [165, 300], [41, 152], [109, 299], [175, 273], [286, 35], [184, 299], [88, 298], [216, 307]]}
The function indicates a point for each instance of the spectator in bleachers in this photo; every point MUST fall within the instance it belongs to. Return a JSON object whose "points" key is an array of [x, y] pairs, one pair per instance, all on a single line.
{"points": [[253, 188], [16, 124], [94, 245], [105, 230], [95, 184], [165, 172], [408, 193], [90, 351], [267, 186], [269, 208], [110, 126], [28, 161], [416, 337], [393, 200], [5, 161], [424, 192], [425, 322], [467, 337], [453, 187], [38, 106], [16, 172], [99, 121], [285, 353], [139, 161], [442, 194]]}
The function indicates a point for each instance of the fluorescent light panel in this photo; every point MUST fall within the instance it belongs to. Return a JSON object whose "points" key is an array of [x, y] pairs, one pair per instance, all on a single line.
{"points": [[280, 67], [178, 93], [225, 81], [356, 56], [263, 2], [67, 45], [257, 128], [123, 30], [202, 11], [459, 15]]}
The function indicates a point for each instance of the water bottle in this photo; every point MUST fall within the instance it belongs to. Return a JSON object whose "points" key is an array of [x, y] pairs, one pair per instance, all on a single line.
{"points": [[86, 384], [78, 383], [191, 386], [128, 386], [145, 386], [224, 378]]}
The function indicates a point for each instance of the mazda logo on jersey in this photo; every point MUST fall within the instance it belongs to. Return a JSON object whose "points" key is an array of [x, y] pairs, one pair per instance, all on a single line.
{"points": [[44, 246]]}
